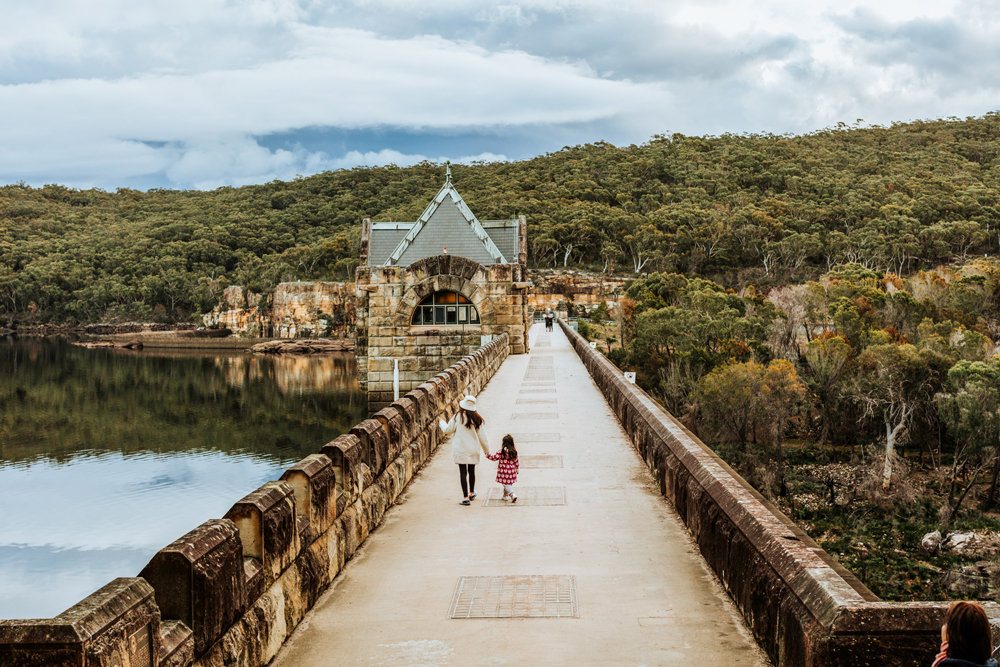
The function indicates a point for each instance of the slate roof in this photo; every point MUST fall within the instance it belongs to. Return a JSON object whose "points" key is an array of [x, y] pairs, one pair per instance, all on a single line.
{"points": [[448, 223]]}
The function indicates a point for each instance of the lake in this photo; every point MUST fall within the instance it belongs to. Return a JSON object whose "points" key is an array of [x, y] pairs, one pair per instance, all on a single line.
{"points": [[107, 456]]}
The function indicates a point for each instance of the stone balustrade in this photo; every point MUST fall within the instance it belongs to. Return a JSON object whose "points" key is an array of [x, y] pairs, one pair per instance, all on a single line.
{"points": [[231, 591], [802, 607]]}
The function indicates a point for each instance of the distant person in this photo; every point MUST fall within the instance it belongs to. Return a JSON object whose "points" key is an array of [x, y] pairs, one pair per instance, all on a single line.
{"points": [[966, 638], [548, 321], [507, 468], [470, 437]]}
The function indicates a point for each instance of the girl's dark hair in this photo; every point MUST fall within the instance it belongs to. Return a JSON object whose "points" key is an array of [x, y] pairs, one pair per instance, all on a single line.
{"points": [[472, 418], [969, 634], [510, 451]]}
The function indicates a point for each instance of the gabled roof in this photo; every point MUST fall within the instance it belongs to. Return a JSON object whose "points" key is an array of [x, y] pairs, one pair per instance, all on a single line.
{"points": [[452, 223]]}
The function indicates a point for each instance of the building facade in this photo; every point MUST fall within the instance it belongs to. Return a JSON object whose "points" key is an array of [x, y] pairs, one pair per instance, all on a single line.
{"points": [[432, 291]]}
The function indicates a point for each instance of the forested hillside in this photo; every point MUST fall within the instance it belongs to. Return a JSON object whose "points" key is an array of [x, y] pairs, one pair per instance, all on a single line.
{"points": [[752, 209]]}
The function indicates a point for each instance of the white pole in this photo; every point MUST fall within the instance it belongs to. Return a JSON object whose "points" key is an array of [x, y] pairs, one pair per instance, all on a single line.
{"points": [[395, 379]]}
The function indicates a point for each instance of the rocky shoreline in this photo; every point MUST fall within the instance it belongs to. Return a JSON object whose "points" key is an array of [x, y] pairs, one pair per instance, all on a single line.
{"points": [[94, 329], [304, 346]]}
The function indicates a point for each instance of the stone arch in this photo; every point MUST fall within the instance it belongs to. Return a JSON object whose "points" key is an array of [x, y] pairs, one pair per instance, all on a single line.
{"points": [[443, 283]]}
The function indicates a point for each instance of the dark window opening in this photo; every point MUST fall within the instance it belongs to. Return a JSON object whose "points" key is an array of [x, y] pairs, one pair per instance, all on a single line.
{"points": [[444, 308]]}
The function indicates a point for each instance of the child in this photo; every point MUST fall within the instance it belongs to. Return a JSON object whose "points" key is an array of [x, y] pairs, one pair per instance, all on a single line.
{"points": [[507, 468]]}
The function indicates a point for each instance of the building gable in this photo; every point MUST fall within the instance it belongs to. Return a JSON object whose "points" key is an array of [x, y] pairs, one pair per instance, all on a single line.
{"points": [[447, 222]]}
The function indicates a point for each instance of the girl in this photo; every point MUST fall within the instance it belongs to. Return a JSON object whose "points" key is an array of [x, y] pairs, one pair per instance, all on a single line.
{"points": [[470, 438], [507, 468], [966, 638]]}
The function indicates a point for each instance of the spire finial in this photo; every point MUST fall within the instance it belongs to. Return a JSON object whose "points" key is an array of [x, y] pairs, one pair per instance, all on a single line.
{"points": [[447, 173]]}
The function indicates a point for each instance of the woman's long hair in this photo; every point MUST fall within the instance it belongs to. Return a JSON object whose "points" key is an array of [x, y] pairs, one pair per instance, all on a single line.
{"points": [[969, 635], [472, 418]]}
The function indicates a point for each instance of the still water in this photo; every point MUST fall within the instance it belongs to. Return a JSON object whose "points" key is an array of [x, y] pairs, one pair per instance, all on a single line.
{"points": [[106, 456]]}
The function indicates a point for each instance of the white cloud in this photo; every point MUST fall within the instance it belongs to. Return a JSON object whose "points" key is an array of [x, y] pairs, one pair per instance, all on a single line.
{"points": [[108, 91]]}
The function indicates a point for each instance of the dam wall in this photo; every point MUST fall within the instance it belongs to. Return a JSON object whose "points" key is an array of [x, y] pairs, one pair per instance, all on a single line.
{"points": [[231, 591], [803, 608]]}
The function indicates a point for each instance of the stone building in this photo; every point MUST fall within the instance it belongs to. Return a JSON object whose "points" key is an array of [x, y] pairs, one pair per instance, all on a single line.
{"points": [[432, 291]]}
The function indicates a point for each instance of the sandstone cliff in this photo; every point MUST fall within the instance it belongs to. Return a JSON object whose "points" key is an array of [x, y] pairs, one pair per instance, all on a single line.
{"points": [[294, 310]]}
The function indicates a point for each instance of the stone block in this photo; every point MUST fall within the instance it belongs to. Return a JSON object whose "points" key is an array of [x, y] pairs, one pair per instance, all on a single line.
{"points": [[345, 454], [315, 487], [458, 266], [374, 442], [119, 624], [408, 364], [391, 420], [266, 522], [379, 364], [200, 580]]}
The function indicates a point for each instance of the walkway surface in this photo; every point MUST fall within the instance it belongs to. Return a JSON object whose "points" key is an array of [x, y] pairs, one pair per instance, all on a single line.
{"points": [[610, 577]]}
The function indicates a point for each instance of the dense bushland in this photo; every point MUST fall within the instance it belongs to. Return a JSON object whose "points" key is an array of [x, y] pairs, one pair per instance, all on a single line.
{"points": [[742, 209]]}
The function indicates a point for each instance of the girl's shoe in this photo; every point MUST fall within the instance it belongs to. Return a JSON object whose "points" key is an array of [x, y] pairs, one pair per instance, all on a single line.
{"points": [[465, 501], [513, 499], [472, 496]]}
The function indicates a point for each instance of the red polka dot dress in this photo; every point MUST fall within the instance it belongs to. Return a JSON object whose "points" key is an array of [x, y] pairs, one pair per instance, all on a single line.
{"points": [[506, 469]]}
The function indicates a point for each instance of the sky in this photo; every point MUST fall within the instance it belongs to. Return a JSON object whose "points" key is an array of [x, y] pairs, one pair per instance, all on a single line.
{"points": [[198, 94]]}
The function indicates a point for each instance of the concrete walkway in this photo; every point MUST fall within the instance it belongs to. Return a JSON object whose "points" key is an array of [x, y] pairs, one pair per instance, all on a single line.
{"points": [[643, 596]]}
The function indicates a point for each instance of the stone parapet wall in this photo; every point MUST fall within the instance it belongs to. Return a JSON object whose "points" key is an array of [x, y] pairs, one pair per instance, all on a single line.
{"points": [[294, 310], [387, 297], [802, 607], [231, 591]]}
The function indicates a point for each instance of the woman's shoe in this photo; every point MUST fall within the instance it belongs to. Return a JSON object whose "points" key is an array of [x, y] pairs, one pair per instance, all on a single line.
{"points": [[472, 496], [465, 501]]}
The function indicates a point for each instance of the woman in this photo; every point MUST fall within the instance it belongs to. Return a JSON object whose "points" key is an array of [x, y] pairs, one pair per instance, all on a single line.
{"points": [[470, 437], [966, 637]]}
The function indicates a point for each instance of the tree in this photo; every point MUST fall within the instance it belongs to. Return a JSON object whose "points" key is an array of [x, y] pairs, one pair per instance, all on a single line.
{"points": [[971, 410], [750, 404], [894, 381], [828, 358]]}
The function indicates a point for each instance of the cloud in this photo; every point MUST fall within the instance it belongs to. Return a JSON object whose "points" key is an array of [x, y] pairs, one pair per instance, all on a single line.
{"points": [[190, 93], [335, 77]]}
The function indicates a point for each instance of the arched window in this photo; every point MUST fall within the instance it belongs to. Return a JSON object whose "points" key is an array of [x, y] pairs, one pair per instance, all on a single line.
{"points": [[445, 308]]}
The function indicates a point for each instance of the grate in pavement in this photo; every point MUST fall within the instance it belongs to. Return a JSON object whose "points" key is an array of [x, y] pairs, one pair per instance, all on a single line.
{"points": [[527, 496], [543, 344], [542, 374], [535, 415], [550, 390], [541, 461], [537, 401], [515, 596], [535, 437], [538, 384]]}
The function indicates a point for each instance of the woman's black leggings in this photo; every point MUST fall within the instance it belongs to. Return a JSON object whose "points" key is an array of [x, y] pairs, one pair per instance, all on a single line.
{"points": [[470, 469]]}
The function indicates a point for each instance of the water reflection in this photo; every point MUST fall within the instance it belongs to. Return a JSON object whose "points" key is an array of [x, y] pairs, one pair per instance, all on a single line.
{"points": [[106, 457]]}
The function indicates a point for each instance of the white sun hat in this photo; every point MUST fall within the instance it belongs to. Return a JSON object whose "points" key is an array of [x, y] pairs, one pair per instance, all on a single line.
{"points": [[468, 403]]}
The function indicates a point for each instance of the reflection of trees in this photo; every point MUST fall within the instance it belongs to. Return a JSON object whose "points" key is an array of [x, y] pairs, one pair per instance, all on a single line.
{"points": [[60, 401]]}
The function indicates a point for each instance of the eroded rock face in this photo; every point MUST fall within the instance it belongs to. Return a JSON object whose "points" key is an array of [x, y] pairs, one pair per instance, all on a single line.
{"points": [[295, 310]]}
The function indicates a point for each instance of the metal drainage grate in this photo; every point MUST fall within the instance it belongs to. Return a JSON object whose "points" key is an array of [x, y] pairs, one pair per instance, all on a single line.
{"points": [[541, 461], [548, 374], [516, 596], [538, 384], [547, 390], [535, 437], [537, 401], [535, 415], [543, 344], [528, 496]]}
